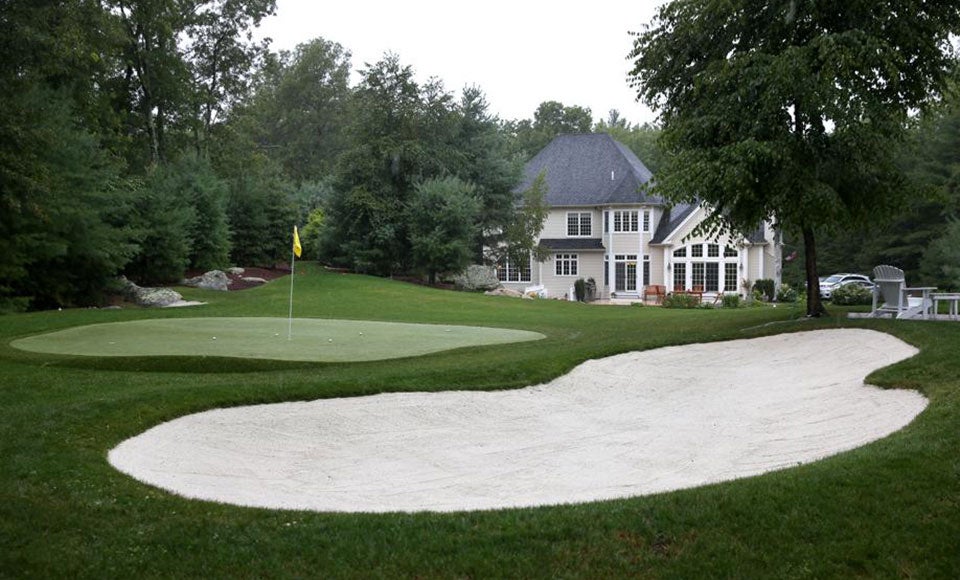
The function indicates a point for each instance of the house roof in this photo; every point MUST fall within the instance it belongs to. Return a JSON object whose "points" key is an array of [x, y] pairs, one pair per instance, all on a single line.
{"points": [[588, 170], [671, 220], [572, 243], [675, 215]]}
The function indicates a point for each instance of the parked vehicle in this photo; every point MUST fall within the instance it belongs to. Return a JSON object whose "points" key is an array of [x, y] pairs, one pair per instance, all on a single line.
{"points": [[834, 281]]}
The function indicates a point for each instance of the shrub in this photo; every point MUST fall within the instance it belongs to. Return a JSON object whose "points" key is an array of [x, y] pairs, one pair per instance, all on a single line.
{"points": [[680, 300], [851, 295], [787, 293], [766, 287], [580, 289], [591, 290], [731, 300]]}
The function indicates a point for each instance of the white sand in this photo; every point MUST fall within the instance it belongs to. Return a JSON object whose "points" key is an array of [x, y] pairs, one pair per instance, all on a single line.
{"points": [[627, 425]]}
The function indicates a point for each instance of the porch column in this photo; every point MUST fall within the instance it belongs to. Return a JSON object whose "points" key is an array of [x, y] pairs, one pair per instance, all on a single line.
{"points": [[760, 265], [744, 270], [611, 267], [667, 274]]}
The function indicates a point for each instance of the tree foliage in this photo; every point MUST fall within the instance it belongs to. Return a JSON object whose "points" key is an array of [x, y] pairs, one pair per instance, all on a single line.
{"points": [[551, 118], [297, 115], [743, 134], [442, 218], [63, 206]]}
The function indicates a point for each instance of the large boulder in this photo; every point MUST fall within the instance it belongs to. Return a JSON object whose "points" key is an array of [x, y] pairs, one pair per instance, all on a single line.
{"points": [[477, 278], [212, 280], [149, 297]]}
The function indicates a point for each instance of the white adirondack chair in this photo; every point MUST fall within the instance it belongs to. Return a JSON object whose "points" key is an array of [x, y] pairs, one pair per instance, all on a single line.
{"points": [[891, 296]]}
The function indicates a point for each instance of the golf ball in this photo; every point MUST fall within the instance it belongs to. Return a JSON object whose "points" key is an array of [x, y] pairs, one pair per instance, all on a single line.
{"points": [[329, 340], [214, 338]]}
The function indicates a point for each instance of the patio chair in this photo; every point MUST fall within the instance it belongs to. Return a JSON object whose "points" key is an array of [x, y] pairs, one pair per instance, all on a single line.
{"points": [[891, 296], [657, 291]]}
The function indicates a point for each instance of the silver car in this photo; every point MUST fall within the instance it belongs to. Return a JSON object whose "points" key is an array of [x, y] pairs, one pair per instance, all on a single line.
{"points": [[834, 281]]}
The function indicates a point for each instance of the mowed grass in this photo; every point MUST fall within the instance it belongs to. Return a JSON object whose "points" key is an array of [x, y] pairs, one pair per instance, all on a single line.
{"points": [[301, 339], [890, 509]]}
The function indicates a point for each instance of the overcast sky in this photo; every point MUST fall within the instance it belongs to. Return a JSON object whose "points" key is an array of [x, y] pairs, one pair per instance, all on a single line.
{"points": [[519, 52]]}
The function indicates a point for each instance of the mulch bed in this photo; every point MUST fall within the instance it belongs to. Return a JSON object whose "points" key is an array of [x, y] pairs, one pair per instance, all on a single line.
{"points": [[237, 281]]}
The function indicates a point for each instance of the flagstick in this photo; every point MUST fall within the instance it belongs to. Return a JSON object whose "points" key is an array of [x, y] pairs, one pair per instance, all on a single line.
{"points": [[293, 260]]}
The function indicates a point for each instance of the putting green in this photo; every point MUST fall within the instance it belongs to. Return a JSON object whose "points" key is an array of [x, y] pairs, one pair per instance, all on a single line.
{"points": [[313, 339]]}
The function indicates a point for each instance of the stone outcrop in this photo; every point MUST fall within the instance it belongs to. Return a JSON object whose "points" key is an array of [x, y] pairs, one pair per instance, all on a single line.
{"points": [[149, 297], [212, 280], [477, 278]]}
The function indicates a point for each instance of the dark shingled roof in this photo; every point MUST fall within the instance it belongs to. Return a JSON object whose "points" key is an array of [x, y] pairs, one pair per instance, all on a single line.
{"points": [[671, 220], [572, 244], [578, 170], [674, 216]]}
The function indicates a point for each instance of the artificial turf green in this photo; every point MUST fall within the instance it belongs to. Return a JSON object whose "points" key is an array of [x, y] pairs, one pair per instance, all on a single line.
{"points": [[889, 509], [302, 339]]}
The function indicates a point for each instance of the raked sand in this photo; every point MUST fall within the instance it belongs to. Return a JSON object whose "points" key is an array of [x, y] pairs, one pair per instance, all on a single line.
{"points": [[627, 425]]}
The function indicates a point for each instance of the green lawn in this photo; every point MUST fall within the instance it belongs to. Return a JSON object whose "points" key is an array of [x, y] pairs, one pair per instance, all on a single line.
{"points": [[889, 509], [300, 339]]}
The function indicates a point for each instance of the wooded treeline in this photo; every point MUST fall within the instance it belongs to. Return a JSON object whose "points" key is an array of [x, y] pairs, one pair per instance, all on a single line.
{"points": [[152, 137]]}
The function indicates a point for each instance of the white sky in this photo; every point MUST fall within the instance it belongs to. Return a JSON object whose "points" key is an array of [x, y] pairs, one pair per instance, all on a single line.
{"points": [[520, 52]]}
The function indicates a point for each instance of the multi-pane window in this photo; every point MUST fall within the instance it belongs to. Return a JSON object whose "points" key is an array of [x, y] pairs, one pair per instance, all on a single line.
{"points": [[646, 221], [646, 270], [566, 264], [711, 267], [512, 271], [626, 221], [680, 276], [697, 274], [730, 277], [712, 282], [579, 224]]}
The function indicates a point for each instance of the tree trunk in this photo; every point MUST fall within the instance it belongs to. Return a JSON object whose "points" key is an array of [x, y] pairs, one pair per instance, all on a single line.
{"points": [[814, 305]]}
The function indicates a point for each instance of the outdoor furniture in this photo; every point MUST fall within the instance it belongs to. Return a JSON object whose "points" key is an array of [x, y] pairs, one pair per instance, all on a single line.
{"points": [[696, 291], [657, 291], [892, 296], [951, 298]]}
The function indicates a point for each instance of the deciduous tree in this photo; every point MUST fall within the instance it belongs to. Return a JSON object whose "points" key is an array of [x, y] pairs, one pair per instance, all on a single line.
{"points": [[791, 111]]}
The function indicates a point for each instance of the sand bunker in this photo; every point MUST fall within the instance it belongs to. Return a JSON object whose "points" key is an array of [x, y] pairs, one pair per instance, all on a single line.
{"points": [[623, 426]]}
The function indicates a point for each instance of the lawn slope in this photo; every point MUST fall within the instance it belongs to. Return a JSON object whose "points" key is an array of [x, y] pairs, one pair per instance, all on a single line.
{"points": [[884, 510]]}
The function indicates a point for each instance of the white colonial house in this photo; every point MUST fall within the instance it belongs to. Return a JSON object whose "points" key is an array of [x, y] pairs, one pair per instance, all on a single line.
{"points": [[603, 226]]}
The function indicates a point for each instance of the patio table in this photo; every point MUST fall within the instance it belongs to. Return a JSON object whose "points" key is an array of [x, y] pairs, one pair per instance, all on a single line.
{"points": [[951, 298]]}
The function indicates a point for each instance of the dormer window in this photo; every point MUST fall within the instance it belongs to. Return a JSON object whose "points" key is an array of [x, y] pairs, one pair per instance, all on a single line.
{"points": [[579, 224]]}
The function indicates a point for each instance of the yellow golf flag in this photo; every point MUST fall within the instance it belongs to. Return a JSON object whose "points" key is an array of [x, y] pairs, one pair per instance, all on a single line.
{"points": [[296, 243]]}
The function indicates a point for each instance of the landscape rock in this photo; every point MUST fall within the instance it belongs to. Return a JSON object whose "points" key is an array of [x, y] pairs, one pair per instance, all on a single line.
{"points": [[235, 271], [254, 280], [477, 278], [505, 292], [149, 297], [212, 280]]}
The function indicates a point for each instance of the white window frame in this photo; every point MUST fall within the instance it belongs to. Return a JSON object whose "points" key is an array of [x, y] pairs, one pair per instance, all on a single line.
{"points": [[626, 221], [694, 258], [566, 265], [580, 215], [505, 269]]}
